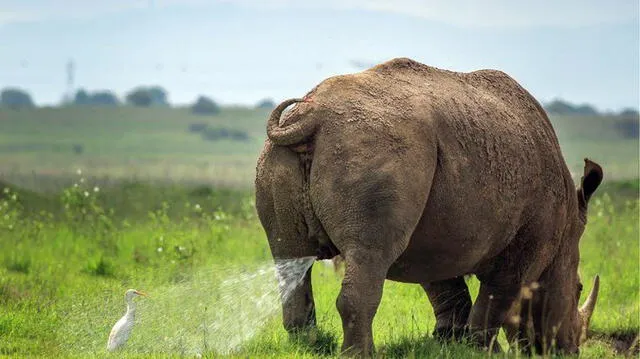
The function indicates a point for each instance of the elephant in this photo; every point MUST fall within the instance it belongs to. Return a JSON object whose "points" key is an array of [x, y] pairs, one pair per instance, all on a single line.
{"points": [[417, 174]]}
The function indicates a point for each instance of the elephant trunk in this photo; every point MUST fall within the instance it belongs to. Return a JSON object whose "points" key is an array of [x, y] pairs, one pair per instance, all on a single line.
{"points": [[292, 134]]}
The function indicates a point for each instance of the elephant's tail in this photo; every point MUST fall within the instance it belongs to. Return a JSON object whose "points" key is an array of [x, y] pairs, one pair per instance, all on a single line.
{"points": [[295, 133]]}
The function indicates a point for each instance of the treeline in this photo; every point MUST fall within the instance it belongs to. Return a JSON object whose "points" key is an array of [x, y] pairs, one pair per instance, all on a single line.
{"points": [[627, 121], [561, 107], [148, 96], [142, 96]]}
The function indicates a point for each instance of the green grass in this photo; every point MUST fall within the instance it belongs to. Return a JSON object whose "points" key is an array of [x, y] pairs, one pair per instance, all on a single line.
{"points": [[155, 144], [66, 260], [67, 257], [125, 142]]}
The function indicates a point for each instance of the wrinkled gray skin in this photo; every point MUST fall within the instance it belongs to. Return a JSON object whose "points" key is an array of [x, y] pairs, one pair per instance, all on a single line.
{"points": [[422, 175]]}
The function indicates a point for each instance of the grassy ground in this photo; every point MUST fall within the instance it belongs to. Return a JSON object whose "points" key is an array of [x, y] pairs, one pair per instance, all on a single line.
{"points": [[126, 142], [68, 253], [155, 144], [66, 260]]}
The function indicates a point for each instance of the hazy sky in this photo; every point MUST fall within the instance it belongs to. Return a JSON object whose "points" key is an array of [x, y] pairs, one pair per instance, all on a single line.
{"points": [[242, 51]]}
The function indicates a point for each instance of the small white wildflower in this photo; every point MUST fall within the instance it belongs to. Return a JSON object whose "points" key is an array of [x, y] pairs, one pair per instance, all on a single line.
{"points": [[82, 180], [75, 185], [159, 249], [13, 198], [217, 217], [181, 248], [96, 189], [6, 190], [197, 207], [86, 194], [79, 172], [161, 238]]}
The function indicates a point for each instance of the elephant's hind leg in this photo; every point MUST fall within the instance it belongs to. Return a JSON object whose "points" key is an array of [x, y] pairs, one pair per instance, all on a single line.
{"points": [[369, 246], [358, 300]]}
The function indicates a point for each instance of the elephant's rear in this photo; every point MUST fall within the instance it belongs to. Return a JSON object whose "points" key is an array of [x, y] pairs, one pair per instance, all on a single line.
{"points": [[499, 168], [419, 174]]}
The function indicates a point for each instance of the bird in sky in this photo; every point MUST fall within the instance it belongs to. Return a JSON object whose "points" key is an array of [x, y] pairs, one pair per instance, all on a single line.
{"points": [[122, 329]]}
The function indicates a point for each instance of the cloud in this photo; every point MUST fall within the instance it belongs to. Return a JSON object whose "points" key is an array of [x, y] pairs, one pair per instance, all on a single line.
{"points": [[485, 13], [461, 13]]}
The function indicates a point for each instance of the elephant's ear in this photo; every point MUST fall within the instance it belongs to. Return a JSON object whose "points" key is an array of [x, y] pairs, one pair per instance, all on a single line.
{"points": [[589, 182]]}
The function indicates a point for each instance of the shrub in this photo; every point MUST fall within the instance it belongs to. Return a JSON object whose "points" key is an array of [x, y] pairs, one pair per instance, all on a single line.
{"points": [[139, 97], [628, 123], [197, 127], [78, 149], [221, 133], [104, 98], [205, 106], [81, 98], [159, 96], [15, 99], [266, 103], [147, 96]]}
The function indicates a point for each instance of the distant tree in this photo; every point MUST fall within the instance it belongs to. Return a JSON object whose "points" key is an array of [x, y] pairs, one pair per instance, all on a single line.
{"points": [[159, 96], [561, 107], [99, 98], [140, 97], [628, 123], [104, 98], [586, 110], [205, 106], [266, 103], [81, 98], [629, 112], [15, 98]]}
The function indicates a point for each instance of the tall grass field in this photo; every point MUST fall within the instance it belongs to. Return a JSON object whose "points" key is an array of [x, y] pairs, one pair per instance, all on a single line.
{"points": [[149, 203]]}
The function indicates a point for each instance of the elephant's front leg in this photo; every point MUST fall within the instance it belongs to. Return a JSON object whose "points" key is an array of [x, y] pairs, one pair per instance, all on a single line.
{"points": [[298, 307], [451, 304]]}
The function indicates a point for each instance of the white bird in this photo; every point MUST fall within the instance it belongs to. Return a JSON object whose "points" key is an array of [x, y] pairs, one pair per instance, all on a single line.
{"points": [[122, 329]]}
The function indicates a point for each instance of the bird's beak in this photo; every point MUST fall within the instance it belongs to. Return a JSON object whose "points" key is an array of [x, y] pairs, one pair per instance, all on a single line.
{"points": [[141, 293]]}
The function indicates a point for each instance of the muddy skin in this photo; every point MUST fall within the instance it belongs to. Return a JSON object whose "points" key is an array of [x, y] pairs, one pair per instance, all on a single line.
{"points": [[422, 175]]}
